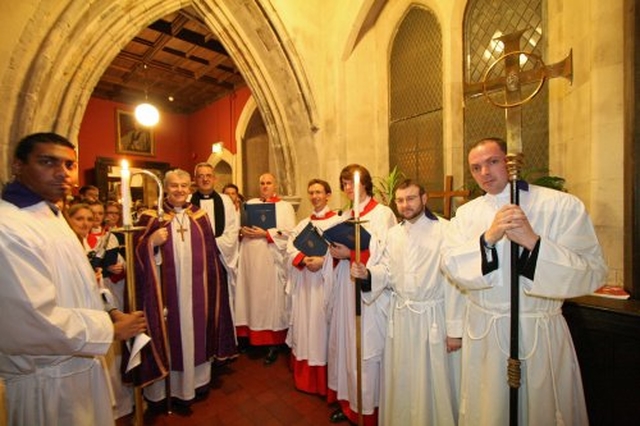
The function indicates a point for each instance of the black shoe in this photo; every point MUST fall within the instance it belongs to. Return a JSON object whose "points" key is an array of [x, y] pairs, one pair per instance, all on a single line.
{"points": [[243, 345], [155, 408], [202, 393], [338, 416], [272, 355]]}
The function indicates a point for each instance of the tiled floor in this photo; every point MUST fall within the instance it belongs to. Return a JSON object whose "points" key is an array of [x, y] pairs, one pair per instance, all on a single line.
{"points": [[246, 392]]}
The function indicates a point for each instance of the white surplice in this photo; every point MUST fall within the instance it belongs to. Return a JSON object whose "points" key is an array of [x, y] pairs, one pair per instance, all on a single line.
{"points": [[418, 385], [54, 324], [569, 264], [310, 291], [342, 337], [261, 300], [228, 242]]}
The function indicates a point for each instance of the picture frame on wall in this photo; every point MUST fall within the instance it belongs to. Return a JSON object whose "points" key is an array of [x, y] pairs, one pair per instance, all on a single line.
{"points": [[132, 137]]}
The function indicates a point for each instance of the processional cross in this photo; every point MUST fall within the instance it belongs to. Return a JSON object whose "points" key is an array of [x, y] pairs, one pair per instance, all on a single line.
{"points": [[509, 84]]}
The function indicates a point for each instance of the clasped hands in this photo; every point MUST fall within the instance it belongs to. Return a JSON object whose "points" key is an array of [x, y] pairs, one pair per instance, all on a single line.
{"points": [[252, 232], [313, 263], [512, 222], [340, 251]]}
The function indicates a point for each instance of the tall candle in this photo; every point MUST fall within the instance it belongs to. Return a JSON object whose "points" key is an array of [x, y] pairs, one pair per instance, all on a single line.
{"points": [[356, 194], [125, 193]]}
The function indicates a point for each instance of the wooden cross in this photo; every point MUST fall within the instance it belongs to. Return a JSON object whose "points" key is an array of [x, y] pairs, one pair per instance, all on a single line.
{"points": [[448, 194]]}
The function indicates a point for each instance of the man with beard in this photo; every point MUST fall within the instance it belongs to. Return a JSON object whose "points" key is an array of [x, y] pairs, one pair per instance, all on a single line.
{"points": [[424, 320]]}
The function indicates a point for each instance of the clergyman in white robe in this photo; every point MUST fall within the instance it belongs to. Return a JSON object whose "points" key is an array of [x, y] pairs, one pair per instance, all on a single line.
{"points": [[309, 326], [567, 262], [342, 337], [54, 325], [418, 383], [262, 305]]}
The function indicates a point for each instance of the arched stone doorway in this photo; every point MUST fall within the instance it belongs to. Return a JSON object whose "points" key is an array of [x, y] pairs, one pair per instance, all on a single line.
{"points": [[63, 51]]}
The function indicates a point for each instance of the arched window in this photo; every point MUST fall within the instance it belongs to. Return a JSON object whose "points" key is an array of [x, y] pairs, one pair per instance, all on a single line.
{"points": [[415, 98]]}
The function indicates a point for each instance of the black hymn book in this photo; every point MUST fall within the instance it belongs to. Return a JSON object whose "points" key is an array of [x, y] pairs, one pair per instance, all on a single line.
{"points": [[310, 242], [262, 215], [345, 233]]}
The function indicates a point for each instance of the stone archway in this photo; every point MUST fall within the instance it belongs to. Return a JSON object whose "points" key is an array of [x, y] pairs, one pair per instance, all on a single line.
{"points": [[62, 53]]}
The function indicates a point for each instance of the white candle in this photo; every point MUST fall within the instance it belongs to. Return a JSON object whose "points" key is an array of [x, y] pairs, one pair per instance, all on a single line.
{"points": [[356, 194], [125, 193]]}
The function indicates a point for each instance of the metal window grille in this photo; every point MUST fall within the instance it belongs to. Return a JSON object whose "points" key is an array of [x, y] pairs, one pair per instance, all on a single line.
{"points": [[415, 99]]}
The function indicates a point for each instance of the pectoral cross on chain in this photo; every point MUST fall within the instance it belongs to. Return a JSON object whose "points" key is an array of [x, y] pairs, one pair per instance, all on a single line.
{"points": [[182, 229]]}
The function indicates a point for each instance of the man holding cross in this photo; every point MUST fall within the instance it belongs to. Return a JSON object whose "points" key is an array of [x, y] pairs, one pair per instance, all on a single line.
{"points": [[178, 261], [559, 257]]}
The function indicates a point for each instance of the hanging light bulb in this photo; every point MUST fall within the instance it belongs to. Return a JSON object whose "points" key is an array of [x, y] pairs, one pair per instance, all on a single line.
{"points": [[147, 114]]}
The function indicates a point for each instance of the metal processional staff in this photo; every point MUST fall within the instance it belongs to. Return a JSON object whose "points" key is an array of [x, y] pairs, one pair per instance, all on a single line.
{"points": [[358, 296], [515, 69], [128, 229]]}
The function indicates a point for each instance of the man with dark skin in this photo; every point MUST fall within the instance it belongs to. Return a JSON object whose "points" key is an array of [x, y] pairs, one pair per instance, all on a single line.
{"points": [[59, 327]]}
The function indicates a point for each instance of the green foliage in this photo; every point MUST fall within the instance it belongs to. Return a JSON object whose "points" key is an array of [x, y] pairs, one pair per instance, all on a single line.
{"points": [[384, 188], [541, 177]]}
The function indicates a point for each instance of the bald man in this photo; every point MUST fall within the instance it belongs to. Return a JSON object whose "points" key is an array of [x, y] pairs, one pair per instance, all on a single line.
{"points": [[262, 306]]}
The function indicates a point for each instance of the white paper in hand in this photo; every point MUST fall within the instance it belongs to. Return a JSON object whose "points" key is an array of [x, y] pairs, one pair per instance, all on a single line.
{"points": [[138, 343]]}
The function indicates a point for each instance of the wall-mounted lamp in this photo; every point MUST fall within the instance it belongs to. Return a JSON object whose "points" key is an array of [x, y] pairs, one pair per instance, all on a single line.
{"points": [[216, 148]]}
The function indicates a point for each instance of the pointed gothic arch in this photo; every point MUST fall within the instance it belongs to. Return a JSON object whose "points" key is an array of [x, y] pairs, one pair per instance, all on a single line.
{"points": [[53, 76], [416, 135]]}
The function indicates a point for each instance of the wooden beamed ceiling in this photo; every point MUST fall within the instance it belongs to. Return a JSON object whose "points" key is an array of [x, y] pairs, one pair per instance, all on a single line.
{"points": [[177, 63]]}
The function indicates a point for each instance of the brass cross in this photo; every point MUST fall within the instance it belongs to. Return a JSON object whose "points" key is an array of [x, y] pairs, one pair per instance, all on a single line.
{"points": [[181, 230], [512, 82], [447, 195]]}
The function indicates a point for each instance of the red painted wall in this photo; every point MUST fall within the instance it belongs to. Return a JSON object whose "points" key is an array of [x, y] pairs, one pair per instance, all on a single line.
{"points": [[216, 123], [181, 140]]}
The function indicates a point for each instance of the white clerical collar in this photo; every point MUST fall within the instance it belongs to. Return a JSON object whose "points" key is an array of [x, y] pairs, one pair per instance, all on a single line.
{"points": [[498, 200]]}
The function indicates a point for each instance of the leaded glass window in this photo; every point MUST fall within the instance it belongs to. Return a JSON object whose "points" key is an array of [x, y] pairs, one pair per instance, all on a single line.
{"points": [[484, 21], [415, 104]]}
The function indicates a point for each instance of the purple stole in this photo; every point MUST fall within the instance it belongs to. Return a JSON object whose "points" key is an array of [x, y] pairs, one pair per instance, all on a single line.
{"points": [[213, 327]]}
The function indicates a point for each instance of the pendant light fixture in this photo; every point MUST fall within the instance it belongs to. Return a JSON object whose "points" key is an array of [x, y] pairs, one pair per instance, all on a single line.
{"points": [[146, 113]]}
